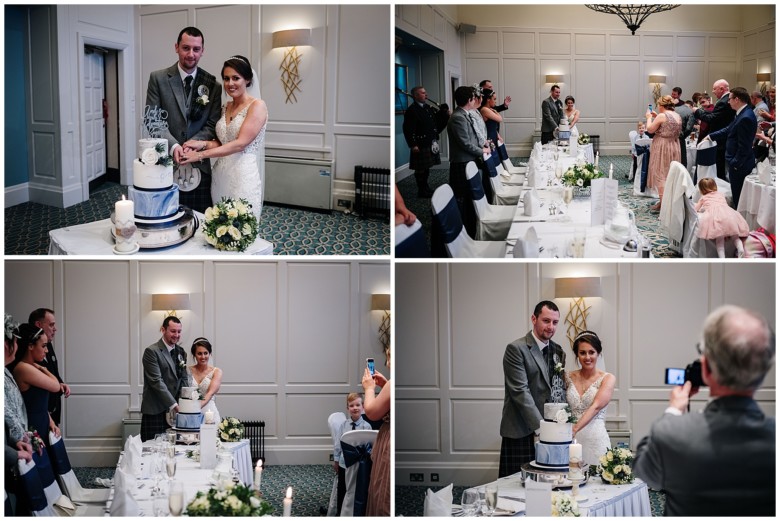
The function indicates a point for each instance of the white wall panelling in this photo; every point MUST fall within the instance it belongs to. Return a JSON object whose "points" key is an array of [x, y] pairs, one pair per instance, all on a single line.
{"points": [[454, 322], [291, 337]]}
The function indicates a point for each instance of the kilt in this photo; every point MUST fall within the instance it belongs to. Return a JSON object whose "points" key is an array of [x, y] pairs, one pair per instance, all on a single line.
{"points": [[153, 424], [200, 198], [514, 453], [424, 159]]}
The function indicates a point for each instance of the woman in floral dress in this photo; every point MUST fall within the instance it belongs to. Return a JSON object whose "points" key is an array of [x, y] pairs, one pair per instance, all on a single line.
{"points": [[665, 147]]}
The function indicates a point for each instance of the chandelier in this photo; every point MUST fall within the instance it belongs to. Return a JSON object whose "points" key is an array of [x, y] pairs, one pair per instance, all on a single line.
{"points": [[633, 15]]}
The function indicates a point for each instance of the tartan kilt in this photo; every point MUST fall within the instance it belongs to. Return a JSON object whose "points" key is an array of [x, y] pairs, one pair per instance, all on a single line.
{"points": [[424, 159], [152, 425], [200, 198], [514, 453]]}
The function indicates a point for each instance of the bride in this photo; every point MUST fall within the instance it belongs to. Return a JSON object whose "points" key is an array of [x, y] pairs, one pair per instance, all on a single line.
{"points": [[573, 115], [238, 171], [205, 377], [588, 393]]}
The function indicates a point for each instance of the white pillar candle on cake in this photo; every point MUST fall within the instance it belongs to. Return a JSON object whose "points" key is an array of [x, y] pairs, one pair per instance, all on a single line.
{"points": [[208, 446], [124, 225], [287, 503]]}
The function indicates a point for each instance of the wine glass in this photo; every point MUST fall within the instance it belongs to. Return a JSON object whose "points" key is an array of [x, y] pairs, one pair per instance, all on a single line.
{"points": [[491, 498], [469, 502], [176, 498]]}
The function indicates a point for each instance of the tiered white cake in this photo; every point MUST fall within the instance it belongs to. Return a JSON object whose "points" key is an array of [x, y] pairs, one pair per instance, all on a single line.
{"points": [[552, 449], [564, 131], [155, 196], [190, 416]]}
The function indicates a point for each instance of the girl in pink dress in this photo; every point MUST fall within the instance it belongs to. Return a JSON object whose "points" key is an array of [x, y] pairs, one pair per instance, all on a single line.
{"points": [[718, 220]]}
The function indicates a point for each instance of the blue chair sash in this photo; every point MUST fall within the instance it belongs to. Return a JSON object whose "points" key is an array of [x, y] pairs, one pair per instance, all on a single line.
{"points": [[59, 458], [413, 247], [502, 153], [706, 156], [645, 152], [491, 167], [475, 183], [359, 455], [43, 466], [33, 487], [449, 221]]}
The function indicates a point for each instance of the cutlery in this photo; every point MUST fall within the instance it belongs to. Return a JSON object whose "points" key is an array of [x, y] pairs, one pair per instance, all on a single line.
{"points": [[520, 499]]}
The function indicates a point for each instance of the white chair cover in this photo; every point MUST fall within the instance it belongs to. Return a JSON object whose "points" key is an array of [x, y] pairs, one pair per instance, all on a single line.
{"points": [[72, 487], [504, 195], [334, 421], [464, 246], [637, 174], [703, 171], [508, 166], [679, 186], [493, 222], [354, 438]]}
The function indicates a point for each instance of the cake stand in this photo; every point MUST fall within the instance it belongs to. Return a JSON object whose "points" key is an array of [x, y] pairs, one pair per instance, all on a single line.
{"points": [[557, 477], [164, 233]]}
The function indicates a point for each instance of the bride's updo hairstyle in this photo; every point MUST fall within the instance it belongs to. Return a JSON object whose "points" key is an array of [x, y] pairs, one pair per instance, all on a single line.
{"points": [[567, 99], [201, 342], [241, 65], [588, 337]]}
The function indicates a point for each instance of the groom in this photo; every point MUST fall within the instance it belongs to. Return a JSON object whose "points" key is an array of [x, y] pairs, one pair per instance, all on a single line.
{"points": [[191, 97], [529, 371], [165, 373]]}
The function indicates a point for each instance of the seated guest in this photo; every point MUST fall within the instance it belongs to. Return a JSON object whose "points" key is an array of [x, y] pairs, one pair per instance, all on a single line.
{"points": [[720, 462], [402, 213], [35, 381]]}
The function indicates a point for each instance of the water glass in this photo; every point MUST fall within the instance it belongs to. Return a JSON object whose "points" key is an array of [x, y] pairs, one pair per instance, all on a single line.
{"points": [[491, 498], [469, 502], [176, 498], [160, 505]]}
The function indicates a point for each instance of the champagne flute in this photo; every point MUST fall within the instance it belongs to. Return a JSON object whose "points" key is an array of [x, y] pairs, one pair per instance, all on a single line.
{"points": [[170, 467], [176, 498], [491, 498]]}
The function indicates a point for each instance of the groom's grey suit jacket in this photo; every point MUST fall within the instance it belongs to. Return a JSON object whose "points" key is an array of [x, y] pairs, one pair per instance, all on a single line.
{"points": [[527, 386], [551, 115], [164, 377]]}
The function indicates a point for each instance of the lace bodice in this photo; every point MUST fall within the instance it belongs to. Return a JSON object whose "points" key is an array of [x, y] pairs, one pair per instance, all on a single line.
{"points": [[580, 404], [204, 384], [671, 127], [228, 131]]}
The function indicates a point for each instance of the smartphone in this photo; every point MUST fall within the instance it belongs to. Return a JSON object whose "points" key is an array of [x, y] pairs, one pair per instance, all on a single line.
{"points": [[674, 376], [650, 107], [370, 365]]}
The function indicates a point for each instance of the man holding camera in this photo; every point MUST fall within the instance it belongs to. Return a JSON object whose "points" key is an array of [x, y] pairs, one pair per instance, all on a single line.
{"points": [[720, 462]]}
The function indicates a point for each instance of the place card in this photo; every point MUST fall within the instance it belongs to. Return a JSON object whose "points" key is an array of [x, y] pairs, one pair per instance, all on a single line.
{"points": [[208, 446], [603, 200]]}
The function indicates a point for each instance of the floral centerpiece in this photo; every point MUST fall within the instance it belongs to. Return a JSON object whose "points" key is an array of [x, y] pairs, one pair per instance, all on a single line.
{"points": [[230, 429], [583, 139], [230, 225], [228, 500], [564, 506], [581, 175], [615, 466]]}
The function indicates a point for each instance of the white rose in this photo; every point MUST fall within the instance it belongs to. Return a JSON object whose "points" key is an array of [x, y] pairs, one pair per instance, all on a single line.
{"points": [[211, 240], [580, 182], [209, 213], [234, 232], [222, 230], [254, 502], [232, 213], [562, 416], [246, 230], [603, 460], [149, 156], [241, 207]]}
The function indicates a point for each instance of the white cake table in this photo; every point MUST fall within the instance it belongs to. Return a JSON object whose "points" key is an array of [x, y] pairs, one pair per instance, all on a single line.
{"points": [[95, 239]]}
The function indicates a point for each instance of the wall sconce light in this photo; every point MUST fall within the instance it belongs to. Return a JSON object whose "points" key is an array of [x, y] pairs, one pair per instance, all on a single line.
{"points": [[170, 302], [578, 289], [763, 77], [381, 302], [656, 80], [553, 78], [291, 39]]}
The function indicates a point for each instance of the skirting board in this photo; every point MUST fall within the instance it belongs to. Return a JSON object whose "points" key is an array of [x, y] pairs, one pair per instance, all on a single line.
{"points": [[17, 194]]}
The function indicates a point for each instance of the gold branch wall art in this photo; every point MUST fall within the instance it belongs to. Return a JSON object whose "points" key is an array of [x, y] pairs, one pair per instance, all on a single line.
{"points": [[291, 39]]}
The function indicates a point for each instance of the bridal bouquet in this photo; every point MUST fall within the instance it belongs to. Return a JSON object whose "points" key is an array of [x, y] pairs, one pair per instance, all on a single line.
{"points": [[228, 500], [230, 225], [581, 175], [583, 139], [230, 429], [615, 466], [564, 506]]}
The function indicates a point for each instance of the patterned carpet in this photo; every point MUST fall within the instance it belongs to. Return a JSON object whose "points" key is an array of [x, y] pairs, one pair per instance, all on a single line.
{"points": [[646, 222], [312, 485], [409, 500], [293, 231]]}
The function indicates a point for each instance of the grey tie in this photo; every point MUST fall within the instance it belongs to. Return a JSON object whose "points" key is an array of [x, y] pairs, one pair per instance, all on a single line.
{"points": [[187, 88]]}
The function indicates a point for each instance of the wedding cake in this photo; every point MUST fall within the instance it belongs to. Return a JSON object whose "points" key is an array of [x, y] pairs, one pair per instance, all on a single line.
{"points": [[564, 131], [552, 449], [190, 416], [154, 194]]}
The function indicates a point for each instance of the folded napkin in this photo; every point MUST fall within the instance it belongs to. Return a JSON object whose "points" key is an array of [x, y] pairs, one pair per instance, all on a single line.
{"points": [[527, 246], [131, 462], [764, 172], [531, 203], [124, 505], [438, 504]]}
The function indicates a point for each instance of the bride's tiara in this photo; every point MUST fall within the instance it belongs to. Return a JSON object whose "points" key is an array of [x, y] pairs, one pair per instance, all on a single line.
{"points": [[584, 334], [241, 58]]}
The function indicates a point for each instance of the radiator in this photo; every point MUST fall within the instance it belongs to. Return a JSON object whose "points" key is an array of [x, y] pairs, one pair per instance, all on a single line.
{"points": [[299, 182], [372, 191]]}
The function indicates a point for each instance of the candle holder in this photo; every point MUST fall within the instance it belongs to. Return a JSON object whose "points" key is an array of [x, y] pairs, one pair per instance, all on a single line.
{"points": [[125, 237], [576, 477]]}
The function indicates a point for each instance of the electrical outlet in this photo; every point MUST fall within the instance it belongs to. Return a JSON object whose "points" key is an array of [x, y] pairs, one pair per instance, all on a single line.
{"points": [[434, 477], [330, 457], [344, 203], [416, 476]]}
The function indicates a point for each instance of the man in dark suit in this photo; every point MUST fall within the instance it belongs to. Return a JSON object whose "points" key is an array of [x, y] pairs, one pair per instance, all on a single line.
{"points": [[165, 373], [464, 147], [422, 126], [720, 462], [179, 90], [552, 111], [738, 137], [720, 117], [44, 319], [529, 372]]}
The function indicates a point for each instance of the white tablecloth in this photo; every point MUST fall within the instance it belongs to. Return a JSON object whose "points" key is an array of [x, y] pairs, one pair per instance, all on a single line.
{"points": [[603, 500], [95, 239], [757, 204]]}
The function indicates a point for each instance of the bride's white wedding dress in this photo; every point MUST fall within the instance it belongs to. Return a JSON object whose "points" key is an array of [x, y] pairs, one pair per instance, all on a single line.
{"points": [[239, 175], [593, 437], [203, 388]]}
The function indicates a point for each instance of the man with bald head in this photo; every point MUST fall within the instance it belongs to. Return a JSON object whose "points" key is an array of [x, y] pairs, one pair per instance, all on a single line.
{"points": [[719, 118], [721, 461]]}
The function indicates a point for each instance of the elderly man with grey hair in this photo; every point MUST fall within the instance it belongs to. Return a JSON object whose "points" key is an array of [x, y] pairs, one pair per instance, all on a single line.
{"points": [[720, 462]]}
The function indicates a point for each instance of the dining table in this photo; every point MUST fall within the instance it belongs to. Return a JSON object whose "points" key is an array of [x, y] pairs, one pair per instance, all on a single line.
{"points": [[757, 203]]}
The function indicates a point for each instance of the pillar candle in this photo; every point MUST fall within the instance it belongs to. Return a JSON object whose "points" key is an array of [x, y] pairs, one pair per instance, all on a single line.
{"points": [[124, 212], [575, 450], [596, 164], [258, 474], [610, 170], [209, 416], [287, 503]]}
